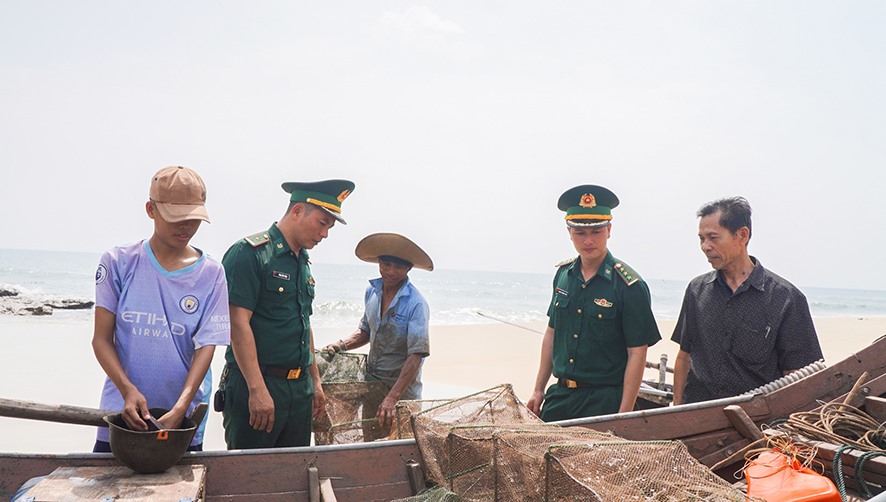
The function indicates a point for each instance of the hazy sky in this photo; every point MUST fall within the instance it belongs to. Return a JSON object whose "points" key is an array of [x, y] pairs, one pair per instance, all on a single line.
{"points": [[461, 123]]}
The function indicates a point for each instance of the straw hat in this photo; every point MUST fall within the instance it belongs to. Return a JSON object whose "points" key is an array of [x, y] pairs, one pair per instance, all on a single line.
{"points": [[387, 244]]}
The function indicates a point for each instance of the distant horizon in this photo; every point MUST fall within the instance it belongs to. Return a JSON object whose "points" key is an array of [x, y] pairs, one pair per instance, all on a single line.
{"points": [[357, 263]]}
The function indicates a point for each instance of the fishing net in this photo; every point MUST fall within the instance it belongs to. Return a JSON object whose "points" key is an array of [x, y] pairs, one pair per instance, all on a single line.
{"points": [[351, 401], [402, 428], [341, 367], [436, 494], [495, 406], [519, 457], [505, 462], [631, 470]]}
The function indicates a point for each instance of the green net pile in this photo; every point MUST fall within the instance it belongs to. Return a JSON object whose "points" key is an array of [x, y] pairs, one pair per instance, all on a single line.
{"points": [[435, 494]]}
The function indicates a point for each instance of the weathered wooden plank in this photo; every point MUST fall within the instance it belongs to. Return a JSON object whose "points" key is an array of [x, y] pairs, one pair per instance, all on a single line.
{"points": [[63, 413], [376, 468], [876, 408], [74, 484]]}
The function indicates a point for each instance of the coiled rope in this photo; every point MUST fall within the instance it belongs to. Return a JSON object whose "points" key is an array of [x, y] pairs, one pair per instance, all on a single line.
{"points": [[845, 425]]}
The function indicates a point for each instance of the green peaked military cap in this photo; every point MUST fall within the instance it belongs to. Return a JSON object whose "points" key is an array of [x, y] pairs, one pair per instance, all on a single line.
{"points": [[588, 206], [327, 195]]}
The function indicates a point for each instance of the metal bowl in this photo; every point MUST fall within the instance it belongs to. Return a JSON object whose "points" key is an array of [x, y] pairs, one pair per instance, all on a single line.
{"points": [[149, 452]]}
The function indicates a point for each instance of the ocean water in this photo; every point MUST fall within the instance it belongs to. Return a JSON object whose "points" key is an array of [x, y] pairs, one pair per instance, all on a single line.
{"points": [[455, 296]]}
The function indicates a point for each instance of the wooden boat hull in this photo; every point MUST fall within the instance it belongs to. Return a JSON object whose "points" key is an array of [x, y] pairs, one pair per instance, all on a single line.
{"points": [[381, 471], [371, 471]]}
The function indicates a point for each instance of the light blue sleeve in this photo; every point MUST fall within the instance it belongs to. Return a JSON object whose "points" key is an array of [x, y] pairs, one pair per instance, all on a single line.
{"points": [[419, 340], [364, 322], [108, 281], [215, 327]]}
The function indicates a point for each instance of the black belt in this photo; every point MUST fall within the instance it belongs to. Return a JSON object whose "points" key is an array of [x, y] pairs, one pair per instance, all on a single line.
{"points": [[275, 371], [572, 384]]}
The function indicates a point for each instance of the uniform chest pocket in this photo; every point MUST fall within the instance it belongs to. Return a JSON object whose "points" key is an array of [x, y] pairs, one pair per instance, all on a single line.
{"points": [[307, 298], [278, 291], [602, 322], [603, 313]]}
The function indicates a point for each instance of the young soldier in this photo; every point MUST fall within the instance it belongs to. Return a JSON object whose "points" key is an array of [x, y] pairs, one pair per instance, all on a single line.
{"points": [[601, 320]]}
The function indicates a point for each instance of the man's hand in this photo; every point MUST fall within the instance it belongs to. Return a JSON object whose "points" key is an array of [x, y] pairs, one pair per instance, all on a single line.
{"points": [[534, 404], [135, 410], [319, 410], [261, 409], [334, 348], [387, 412], [173, 419]]}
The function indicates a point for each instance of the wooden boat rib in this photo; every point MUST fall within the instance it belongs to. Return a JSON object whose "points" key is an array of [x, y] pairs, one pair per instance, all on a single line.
{"points": [[382, 470]]}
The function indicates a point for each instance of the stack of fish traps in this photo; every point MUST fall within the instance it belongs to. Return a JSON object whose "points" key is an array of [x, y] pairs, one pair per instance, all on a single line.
{"points": [[489, 446]]}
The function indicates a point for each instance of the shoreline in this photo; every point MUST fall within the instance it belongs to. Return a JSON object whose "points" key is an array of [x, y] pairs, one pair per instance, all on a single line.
{"points": [[52, 363]]}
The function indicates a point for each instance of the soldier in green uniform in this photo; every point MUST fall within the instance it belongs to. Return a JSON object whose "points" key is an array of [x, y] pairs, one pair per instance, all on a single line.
{"points": [[271, 382], [600, 320]]}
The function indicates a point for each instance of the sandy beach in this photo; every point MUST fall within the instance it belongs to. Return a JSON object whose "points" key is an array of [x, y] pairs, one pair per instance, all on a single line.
{"points": [[49, 360]]}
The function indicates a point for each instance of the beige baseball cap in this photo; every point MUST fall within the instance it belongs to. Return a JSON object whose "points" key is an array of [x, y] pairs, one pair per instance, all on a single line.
{"points": [[179, 194]]}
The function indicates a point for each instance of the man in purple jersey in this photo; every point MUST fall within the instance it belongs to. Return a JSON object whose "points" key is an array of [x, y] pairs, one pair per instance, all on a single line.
{"points": [[161, 308]]}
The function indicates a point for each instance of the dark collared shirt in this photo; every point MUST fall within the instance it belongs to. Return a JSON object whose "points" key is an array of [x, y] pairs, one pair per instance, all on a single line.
{"points": [[740, 341], [276, 285]]}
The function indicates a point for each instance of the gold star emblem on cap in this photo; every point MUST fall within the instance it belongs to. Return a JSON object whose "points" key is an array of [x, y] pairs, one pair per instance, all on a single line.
{"points": [[344, 195], [587, 200]]}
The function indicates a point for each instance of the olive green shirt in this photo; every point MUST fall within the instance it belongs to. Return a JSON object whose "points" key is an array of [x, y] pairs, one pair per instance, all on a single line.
{"points": [[265, 276], [596, 321]]}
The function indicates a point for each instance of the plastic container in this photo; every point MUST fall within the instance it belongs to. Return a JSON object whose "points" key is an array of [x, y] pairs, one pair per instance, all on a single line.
{"points": [[776, 477]]}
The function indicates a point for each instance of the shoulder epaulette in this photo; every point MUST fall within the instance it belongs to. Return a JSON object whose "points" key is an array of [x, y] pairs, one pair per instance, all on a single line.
{"points": [[258, 239], [567, 261], [626, 273]]}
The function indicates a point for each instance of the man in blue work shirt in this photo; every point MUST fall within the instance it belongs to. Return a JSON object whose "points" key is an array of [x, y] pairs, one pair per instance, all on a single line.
{"points": [[395, 320]]}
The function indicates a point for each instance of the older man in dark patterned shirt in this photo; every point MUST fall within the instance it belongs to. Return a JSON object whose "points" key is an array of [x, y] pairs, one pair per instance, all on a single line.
{"points": [[740, 326]]}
